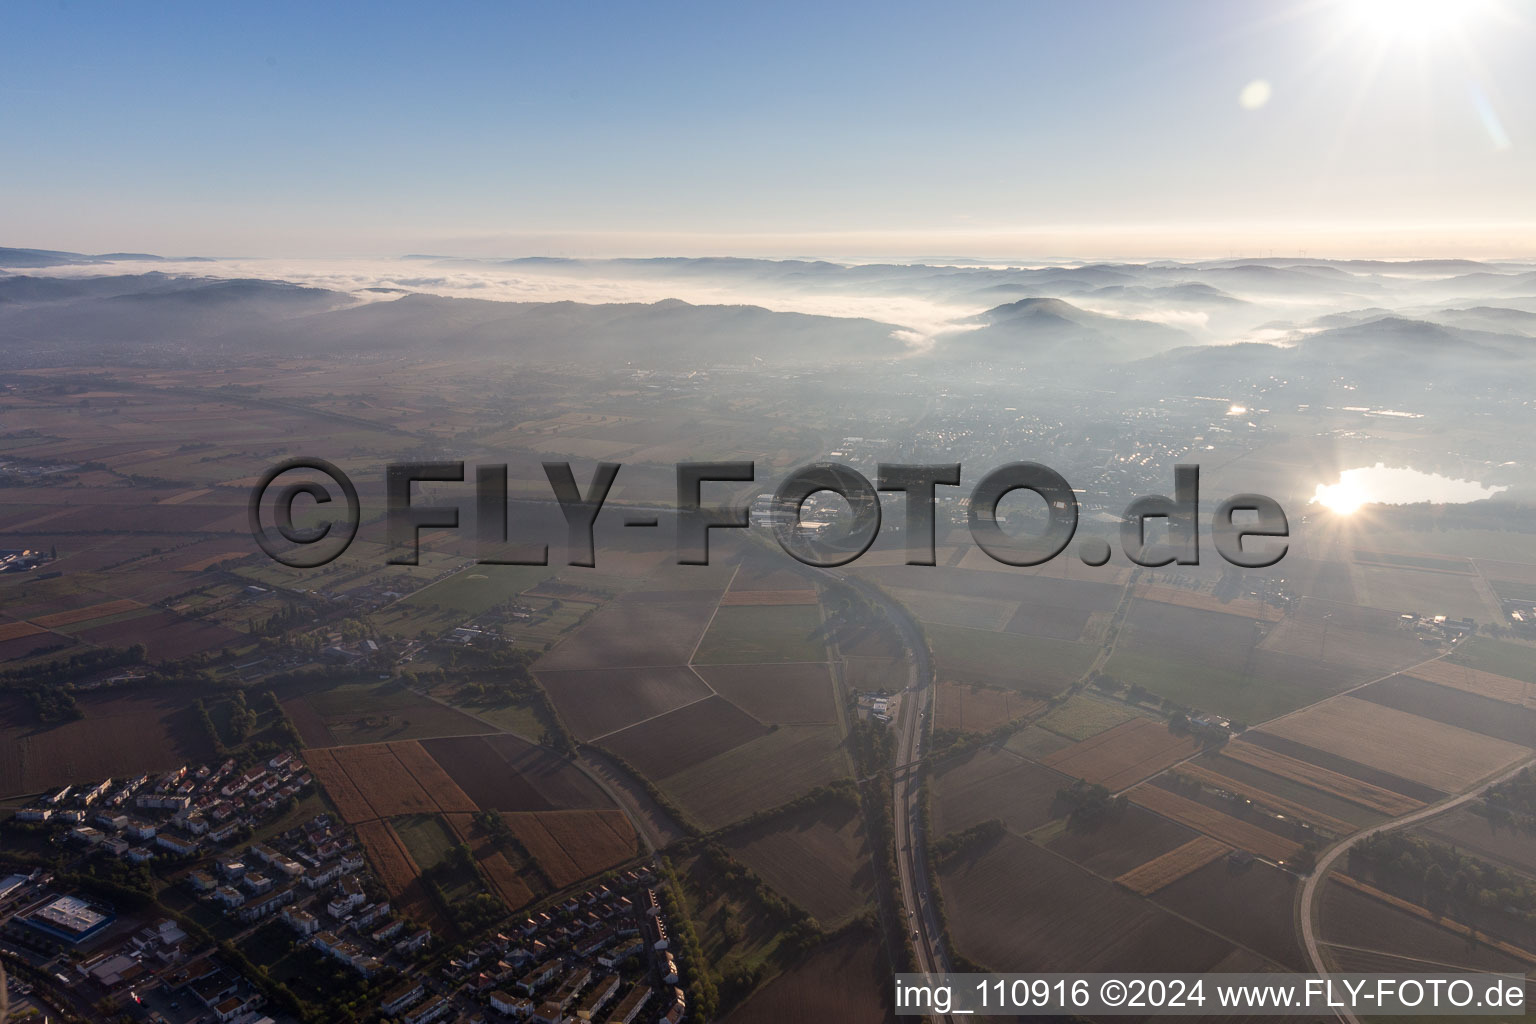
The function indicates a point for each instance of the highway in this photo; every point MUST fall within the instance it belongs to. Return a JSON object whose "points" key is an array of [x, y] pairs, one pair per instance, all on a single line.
{"points": [[922, 921]]}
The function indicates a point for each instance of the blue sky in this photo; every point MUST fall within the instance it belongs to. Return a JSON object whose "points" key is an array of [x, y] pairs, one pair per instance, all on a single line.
{"points": [[849, 129]]}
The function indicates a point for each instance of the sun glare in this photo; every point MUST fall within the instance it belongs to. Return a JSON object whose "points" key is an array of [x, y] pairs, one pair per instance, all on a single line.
{"points": [[1343, 498], [1413, 19]]}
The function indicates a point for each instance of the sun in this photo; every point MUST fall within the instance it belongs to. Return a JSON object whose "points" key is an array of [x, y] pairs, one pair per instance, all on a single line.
{"points": [[1343, 498]]}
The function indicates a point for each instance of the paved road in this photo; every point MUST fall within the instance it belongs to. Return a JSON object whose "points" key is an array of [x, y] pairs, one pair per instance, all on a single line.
{"points": [[1313, 885]]}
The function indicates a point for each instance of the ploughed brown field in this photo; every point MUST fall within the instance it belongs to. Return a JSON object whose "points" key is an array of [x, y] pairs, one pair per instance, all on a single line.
{"points": [[649, 628], [595, 702], [798, 693], [847, 980], [1173, 865], [1013, 906], [1252, 904], [122, 734], [683, 738], [816, 857], [1120, 842], [1353, 919], [1346, 787], [1121, 757], [969, 708], [506, 773], [991, 783], [1215, 824]]}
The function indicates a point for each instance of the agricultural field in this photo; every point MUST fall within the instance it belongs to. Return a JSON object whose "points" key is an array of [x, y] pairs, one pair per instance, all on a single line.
{"points": [[476, 590], [1148, 877], [1117, 843], [1442, 757], [1202, 601], [817, 857], [791, 694], [1124, 755], [1081, 716], [569, 846], [385, 780], [120, 735], [1017, 907], [964, 707], [1484, 715], [956, 609], [1500, 657], [510, 880], [847, 980], [506, 773], [1485, 684], [1376, 798], [1240, 668], [1199, 773], [989, 783], [1035, 743], [648, 628], [392, 863], [680, 739], [426, 838], [767, 772], [595, 702], [734, 597], [1355, 915], [375, 712], [1472, 833], [1251, 904], [1216, 824], [763, 633], [1031, 665]]}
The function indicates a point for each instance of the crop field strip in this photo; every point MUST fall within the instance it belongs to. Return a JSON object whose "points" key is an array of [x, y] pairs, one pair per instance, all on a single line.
{"points": [[95, 611], [1173, 865], [374, 781], [503, 878], [1345, 787], [1419, 749], [1214, 823], [1123, 755], [1206, 603], [1484, 684], [17, 630], [1208, 777]]}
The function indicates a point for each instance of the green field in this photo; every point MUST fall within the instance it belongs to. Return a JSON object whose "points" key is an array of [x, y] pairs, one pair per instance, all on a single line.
{"points": [[1497, 656], [1082, 716], [478, 588], [426, 836], [1034, 665], [1197, 685], [763, 633]]}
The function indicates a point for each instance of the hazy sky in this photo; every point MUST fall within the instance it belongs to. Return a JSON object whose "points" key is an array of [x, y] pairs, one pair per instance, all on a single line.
{"points": [[881, 129]]}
